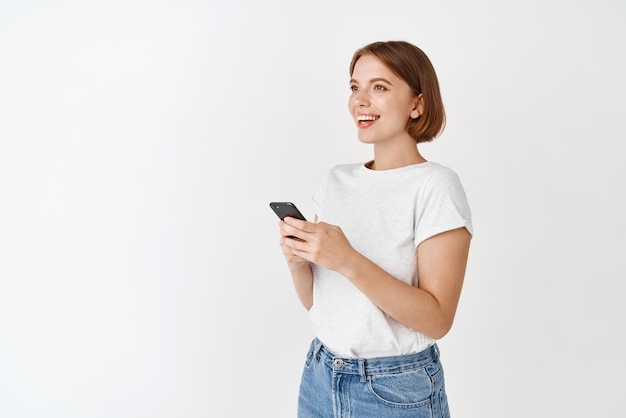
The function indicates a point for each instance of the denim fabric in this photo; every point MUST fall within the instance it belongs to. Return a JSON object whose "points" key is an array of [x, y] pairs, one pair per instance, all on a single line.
{"points": [[390, 387]]}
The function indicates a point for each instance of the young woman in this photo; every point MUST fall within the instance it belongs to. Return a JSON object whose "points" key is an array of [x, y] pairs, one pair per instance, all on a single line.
{"points": [[381, 268]]}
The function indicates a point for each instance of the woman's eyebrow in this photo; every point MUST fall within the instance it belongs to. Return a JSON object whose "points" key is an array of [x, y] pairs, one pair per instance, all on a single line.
{"points": [[373, 80]]}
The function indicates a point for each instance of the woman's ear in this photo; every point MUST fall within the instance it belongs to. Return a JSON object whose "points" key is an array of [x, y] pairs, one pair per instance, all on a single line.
{"points": [[418, 106]]}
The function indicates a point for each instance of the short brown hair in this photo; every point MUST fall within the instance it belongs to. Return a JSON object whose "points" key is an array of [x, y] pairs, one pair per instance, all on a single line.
{"points": [[411, 64]]}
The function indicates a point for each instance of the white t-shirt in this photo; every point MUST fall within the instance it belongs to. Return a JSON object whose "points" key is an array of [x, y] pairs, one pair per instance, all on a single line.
{"points": [[385, 215]]}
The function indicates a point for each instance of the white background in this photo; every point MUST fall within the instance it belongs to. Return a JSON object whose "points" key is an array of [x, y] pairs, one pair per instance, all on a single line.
{"points": [[140, 144]]}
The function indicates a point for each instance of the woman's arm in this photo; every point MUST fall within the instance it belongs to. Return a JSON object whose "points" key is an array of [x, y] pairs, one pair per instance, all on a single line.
{"points": [[303, 282], [428, 308], [300, 270]]}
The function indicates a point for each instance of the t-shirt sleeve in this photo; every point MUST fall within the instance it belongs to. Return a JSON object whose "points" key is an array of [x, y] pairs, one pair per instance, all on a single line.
{"points": [[441, 207]]}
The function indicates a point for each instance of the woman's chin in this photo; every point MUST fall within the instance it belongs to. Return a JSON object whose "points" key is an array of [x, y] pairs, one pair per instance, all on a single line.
{"points": [[367, 139]]}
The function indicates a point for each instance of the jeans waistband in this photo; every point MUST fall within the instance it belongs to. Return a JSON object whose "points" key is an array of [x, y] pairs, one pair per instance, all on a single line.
{"points": [[372, 366]]}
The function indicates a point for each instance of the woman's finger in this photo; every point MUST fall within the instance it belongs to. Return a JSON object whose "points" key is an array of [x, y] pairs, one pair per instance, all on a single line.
{"points": [[300, 224], [287, 230]]}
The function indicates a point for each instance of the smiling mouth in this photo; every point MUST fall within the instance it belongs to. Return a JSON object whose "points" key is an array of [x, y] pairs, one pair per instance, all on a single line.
{"points": [[366, 119]]}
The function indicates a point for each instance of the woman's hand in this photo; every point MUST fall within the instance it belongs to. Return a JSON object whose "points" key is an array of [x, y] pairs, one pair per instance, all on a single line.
{"points": [[291, 257], [319, 243]]}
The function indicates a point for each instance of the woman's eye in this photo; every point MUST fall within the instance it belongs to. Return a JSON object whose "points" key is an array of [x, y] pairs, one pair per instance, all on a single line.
{"points": [[353, 88], [379, 87]]}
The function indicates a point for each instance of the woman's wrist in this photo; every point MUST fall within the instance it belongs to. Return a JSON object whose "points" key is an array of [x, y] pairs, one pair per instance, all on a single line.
{"points": [[351, 265], [297, 265]]}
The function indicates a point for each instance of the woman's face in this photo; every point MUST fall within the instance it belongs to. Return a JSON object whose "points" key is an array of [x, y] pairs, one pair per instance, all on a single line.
{"points": [[381, 103]]}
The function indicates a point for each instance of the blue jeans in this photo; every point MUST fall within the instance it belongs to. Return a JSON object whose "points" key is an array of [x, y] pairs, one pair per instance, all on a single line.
{"points": [[400, 386]]}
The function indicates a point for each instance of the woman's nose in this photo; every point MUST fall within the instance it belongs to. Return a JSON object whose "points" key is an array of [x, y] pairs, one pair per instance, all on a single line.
{"points": [[361, 98]]}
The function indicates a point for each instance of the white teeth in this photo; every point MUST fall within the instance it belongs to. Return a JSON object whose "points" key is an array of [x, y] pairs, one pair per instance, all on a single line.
{"points": [[366, 117]]}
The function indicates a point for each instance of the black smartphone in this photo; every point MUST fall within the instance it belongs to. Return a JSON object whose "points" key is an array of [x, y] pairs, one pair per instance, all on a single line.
{"points": [[283, 209]]}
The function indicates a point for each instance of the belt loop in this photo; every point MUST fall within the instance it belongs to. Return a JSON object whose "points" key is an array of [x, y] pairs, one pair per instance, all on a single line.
{"points": [[316, 351], [436, 350], [363, 378]]}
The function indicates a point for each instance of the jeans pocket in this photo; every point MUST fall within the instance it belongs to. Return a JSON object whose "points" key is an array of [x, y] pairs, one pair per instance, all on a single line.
{"points": [[407, 389]]}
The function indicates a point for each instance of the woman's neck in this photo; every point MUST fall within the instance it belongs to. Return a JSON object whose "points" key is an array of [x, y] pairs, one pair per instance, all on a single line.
{"points": [[387, 158]]}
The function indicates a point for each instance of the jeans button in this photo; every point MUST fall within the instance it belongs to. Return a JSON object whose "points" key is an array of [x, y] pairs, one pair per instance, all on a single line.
{"points": [[337, 362]]}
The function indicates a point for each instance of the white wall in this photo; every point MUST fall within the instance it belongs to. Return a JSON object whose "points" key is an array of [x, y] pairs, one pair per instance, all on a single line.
{"points": [[140, 143]]}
